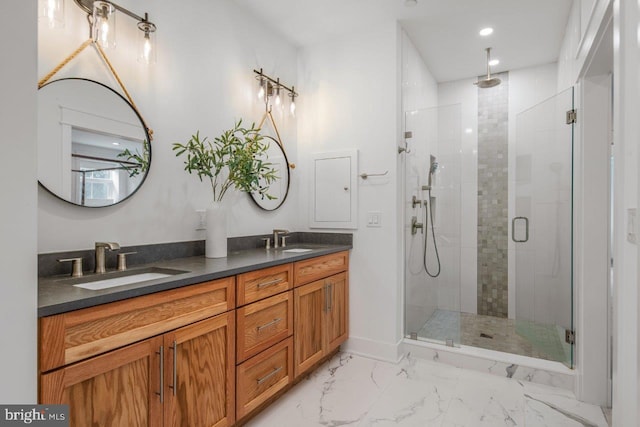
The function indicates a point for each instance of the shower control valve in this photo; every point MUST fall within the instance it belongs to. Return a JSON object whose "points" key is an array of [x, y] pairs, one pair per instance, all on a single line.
{"points": [[415, 225]]}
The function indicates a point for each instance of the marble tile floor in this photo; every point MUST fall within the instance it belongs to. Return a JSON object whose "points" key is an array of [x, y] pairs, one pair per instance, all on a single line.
{"points": [[351, 390]]}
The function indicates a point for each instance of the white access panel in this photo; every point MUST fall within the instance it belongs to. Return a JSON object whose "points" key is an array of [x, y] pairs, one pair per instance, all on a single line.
{"points": [[334, 192]]}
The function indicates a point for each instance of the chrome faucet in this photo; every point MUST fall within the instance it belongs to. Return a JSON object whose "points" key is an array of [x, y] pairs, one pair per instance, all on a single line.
{"points": [[276, 233], [100, 250]]}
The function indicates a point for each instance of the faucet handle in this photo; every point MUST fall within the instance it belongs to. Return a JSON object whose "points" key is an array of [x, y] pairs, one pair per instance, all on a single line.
{"points": [[122, 260], [267, 241], [284, 241], [76, 266]]}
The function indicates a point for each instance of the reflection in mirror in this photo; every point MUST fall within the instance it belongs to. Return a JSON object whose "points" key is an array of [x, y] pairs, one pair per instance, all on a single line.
{"points": [[278, 189], [93, 147]]}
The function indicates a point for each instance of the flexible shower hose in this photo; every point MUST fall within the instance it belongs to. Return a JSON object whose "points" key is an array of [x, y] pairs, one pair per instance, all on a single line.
{"points": [[429, 214]]}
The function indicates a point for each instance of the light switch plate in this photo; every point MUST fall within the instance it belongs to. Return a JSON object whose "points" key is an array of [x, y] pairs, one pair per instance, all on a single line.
{"points": [[632, 228], [374, 219], [202, 219]]}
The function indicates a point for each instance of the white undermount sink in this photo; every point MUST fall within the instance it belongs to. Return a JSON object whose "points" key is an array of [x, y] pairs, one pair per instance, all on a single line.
{"points": [[297, 250], [125, 278]]}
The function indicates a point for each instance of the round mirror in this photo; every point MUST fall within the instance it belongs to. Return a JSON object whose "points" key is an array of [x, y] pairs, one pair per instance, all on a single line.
{"points": [[279, 189], [93, 147]]}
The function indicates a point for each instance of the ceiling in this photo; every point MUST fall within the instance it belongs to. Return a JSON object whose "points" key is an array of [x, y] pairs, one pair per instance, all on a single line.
{"points": [[527, 32]]}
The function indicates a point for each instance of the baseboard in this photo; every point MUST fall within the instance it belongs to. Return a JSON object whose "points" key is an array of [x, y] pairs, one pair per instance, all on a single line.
{"points": [[374, 349]]}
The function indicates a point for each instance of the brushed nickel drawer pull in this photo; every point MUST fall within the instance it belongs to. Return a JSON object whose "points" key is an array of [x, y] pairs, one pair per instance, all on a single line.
{"points": [[161, 393], [271, 283], [266, 325], [174, 347], [269, 375]]}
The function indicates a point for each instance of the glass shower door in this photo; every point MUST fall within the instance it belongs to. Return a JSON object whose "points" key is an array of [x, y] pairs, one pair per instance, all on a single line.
{"points": [[432, 280], [541, 227]]}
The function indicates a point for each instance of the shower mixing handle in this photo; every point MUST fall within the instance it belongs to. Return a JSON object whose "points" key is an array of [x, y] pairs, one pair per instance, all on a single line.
{"points": [[415, 225]]}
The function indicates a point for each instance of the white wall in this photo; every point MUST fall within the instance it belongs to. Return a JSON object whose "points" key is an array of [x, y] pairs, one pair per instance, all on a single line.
{"points": [[626, 127], [592, 269], [582, 27], [203, 80], [19, 202], [351, 101]]}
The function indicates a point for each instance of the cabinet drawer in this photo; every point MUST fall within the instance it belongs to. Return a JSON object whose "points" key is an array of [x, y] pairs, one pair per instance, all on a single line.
{"points": [[262, 376], [260, 284], [316, 268], [77, 335], [263, 324]]}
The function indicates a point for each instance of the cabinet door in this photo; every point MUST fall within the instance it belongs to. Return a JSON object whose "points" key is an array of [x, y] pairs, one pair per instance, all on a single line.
{"points": [[200, 373], [337, 310], [309, 306], [119, 388]]}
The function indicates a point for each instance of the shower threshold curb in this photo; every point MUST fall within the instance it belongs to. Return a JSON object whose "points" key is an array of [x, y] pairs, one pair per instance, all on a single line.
{"points": [[497, 363]]}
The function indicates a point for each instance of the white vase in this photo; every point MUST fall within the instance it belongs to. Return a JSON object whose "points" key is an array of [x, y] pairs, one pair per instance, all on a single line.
{"points": [[216, 240]]}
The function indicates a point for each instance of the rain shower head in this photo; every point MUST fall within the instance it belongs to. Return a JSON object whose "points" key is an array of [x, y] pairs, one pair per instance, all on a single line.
{"points": [[488, 81]]}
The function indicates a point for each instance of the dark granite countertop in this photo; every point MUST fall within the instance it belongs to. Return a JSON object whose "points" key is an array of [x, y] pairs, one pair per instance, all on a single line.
{"points": [[58, 295]]}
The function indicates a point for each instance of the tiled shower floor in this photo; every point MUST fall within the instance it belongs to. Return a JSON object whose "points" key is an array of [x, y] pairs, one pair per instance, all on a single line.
{"points": [[499, 334]]}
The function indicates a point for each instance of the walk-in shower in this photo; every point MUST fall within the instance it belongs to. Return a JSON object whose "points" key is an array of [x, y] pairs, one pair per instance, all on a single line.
{"points": [[494, 204]]}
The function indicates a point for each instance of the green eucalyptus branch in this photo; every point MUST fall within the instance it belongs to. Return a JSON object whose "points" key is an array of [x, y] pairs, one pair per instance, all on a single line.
{"points": [[141, 159], [232, 160]]}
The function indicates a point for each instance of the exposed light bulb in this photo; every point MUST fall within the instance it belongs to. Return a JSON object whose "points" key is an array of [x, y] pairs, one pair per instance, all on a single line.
{"points": [[104, 32], [292, 107], [278, 100], [261, 90], [147, 48], [104, 24], [494, 62]]}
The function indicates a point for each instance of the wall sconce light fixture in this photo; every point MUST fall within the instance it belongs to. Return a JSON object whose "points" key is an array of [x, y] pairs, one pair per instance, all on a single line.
{"points": [[52, 11], [102, 15], [271, 89]]}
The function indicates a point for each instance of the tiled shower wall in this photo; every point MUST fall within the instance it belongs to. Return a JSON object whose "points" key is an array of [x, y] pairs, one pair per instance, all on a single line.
{"points": [[493, 226]]}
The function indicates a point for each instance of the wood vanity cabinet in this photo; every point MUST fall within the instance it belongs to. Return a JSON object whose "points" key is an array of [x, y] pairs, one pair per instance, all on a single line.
{"points": [[320, 310], [209, 354], [182, 374]]}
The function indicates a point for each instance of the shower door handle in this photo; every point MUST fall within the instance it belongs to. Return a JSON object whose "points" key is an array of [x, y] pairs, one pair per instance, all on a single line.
{"points": [[526, 228]]}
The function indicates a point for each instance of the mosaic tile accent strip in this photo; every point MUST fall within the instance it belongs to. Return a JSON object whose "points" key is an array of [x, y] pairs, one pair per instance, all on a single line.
{"points": [[493, 222]]}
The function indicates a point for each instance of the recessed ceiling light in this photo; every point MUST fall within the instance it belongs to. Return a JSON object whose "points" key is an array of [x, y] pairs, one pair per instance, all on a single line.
{"points": [[494, 62], [468, 130], [486, 31], [410, 3], [115, 143]]}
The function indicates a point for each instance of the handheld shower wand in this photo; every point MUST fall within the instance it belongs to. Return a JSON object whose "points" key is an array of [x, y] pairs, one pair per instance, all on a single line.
{"points": [[433, 167], [428, 213]]}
